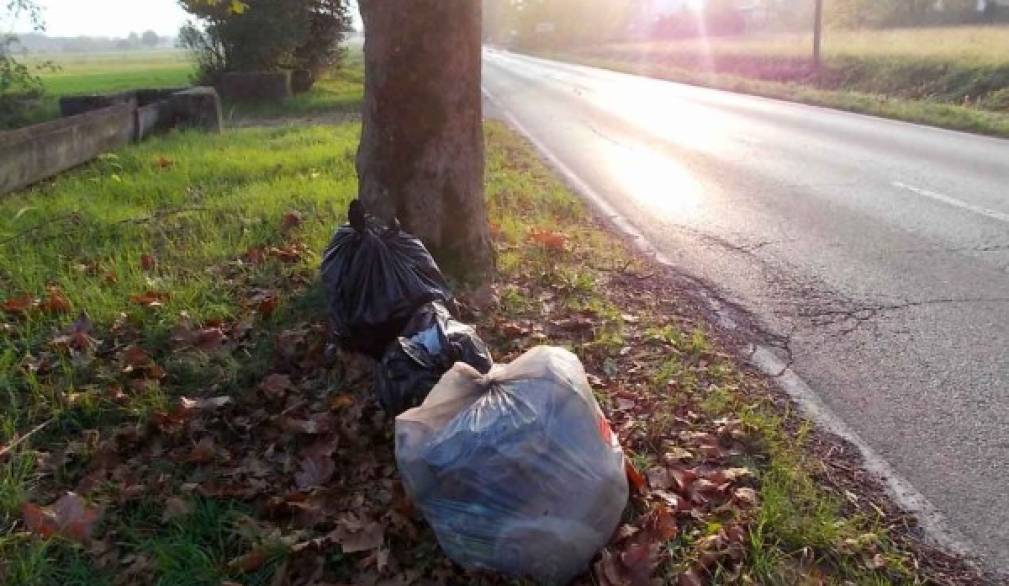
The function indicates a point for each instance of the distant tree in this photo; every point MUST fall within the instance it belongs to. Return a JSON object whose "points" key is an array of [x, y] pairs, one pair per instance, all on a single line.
{"points": [[19, 84], [255, 35], [150, 39], [133, 40]]}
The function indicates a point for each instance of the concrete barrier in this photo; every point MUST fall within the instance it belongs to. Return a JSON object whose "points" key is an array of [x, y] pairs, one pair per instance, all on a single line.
{"points": [[255, 85], [34, 153], [100, 124]]}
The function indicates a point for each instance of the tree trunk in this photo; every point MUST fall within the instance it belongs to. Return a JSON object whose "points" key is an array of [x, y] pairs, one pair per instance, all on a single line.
{"points": [[421, 157]]}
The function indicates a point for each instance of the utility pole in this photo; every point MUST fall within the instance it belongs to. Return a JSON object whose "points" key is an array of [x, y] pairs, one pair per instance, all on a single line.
{"points": [[817, 33]]}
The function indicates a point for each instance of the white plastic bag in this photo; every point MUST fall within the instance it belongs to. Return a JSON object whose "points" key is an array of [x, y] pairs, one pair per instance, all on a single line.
{"points": [[517, 471]]}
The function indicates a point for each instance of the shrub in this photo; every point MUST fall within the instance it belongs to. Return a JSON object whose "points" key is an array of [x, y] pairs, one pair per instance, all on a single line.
{"points": [[265, 35]]}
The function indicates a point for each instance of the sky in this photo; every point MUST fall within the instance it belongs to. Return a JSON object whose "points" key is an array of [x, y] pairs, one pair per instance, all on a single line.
{"points": [[110, 18]]}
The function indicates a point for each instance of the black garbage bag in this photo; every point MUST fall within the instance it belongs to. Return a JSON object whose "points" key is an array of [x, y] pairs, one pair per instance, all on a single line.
{"points": [[432, 342], [375, 278]]}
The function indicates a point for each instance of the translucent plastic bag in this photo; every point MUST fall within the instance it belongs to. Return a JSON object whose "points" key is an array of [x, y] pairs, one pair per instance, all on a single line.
{"points": [[431, 343], [517, 471], [375, 278]]}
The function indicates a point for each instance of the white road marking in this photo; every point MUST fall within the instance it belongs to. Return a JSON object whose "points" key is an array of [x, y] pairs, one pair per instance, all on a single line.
{"points": [[993, 214]]}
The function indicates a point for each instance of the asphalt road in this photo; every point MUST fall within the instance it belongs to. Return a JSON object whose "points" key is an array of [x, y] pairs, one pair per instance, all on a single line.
{"points": [[877, 251]]}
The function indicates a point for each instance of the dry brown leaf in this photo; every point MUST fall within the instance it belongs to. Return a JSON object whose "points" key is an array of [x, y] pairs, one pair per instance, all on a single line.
{"points": [[150, 298], [56, 302], [692, 577], [177, 508], [148, 262], [70, 517], [204, 452], [208, 339], [354, 536], [316, 470], [634, 478], [290, 221], [745, 496], [135, 357], [659, 478], [554, 241], [250, 562], [19, 305], [276, 386]]}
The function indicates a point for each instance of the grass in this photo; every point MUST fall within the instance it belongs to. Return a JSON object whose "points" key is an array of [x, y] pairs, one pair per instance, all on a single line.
{"points": [[951, 77], [337, 94]]}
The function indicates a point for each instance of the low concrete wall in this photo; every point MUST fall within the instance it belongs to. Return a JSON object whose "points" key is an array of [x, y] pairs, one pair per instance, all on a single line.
{"points": [[255, 85], [34, 153], [31, 154]]}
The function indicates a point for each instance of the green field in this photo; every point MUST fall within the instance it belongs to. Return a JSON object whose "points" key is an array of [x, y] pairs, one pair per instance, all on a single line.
{"points": [[333, 95], [110, 72], [952, 77], [95, 73]]}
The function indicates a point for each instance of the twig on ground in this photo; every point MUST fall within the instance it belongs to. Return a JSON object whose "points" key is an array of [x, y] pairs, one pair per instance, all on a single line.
{"points": [[20, 440]]}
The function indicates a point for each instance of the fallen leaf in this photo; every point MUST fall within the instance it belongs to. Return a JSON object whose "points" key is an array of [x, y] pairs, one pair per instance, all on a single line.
{"points": [[745, 496], [163, 162], [276, 386], [354, 536], [548, 239], [255, 255], [290, 221], [135, 357], [150, 299], [315, 471], [204, 452], [634, 478], [77, 336], [250, 562], [341, 401], [56, 301], [208, 339], [69, 517], [659, 478], [660, 524], [640, 560], [691, 577], [268, 305], [148, 262], [19, 305], [177, 508]]}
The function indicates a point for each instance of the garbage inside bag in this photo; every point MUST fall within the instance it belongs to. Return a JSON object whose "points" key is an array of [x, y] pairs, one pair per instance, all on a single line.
{"points": [[431, 343], [375, 278], [517, 471]]}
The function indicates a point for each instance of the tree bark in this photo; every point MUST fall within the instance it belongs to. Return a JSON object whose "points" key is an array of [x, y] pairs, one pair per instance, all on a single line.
{"points": [[421, 157]]}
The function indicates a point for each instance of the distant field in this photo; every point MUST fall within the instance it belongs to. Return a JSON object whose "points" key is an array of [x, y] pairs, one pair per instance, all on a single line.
{"points": [[109, 72], [987, 45], [112, 72], [957, 77], [96, 73]]}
